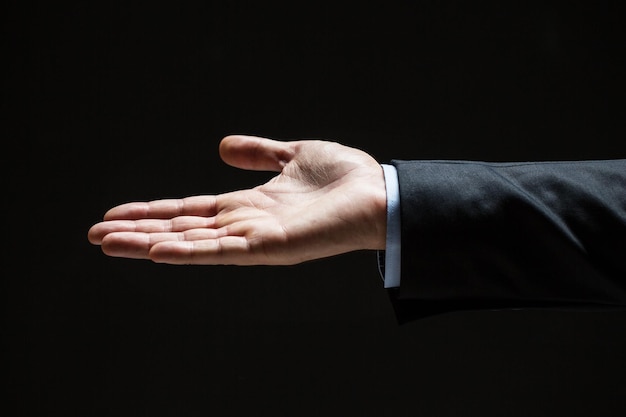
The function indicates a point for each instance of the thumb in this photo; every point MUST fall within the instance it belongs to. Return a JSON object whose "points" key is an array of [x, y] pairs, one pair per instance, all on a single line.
{"points": [[256, 153]]}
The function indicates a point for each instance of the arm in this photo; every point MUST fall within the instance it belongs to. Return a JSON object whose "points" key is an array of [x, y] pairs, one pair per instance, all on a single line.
{"points": [[511, 235], [473, 235]]}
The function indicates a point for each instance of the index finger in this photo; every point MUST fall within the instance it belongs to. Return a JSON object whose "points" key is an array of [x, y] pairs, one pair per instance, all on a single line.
{"points": [[205, 205]]}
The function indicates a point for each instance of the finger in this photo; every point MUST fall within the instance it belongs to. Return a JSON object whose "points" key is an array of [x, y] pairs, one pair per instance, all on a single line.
{"points": [[98, 231], [136, 245], [177, 224], [205, 205], [227, 250], [127, 245], [255, 153]]}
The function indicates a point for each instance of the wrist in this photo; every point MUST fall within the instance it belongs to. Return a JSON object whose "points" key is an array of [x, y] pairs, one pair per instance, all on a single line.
{"points": [[379, 198]]}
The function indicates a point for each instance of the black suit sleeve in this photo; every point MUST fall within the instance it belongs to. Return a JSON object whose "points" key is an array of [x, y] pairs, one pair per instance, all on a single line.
{"points": [[479, 235]]}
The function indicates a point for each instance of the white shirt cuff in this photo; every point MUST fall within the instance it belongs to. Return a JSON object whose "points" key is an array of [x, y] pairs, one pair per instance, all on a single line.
{"points": [[389, 259]]}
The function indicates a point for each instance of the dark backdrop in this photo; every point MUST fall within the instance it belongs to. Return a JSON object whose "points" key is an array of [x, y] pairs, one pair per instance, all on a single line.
{"points": [[123, 101]]}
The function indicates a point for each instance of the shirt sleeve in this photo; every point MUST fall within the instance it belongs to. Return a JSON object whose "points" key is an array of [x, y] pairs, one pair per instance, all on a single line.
{"points": [[389, 260]]}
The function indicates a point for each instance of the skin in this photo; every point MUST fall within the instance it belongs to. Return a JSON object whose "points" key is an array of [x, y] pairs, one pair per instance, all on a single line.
{"points": [[326, 199]]}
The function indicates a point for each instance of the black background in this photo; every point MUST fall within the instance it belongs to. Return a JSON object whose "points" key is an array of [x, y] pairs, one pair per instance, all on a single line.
{"points": [[109, 102]]}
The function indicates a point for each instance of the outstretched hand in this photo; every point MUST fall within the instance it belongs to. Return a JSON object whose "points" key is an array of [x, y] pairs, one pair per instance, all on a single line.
{"points": [[326, 200]]}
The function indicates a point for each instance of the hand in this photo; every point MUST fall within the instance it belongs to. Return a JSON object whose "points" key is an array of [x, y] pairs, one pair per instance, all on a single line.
{"points": [[326, 200]]}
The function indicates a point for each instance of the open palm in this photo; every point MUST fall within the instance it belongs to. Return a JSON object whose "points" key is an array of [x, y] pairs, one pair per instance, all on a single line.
{"points": [[327, 199]]}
